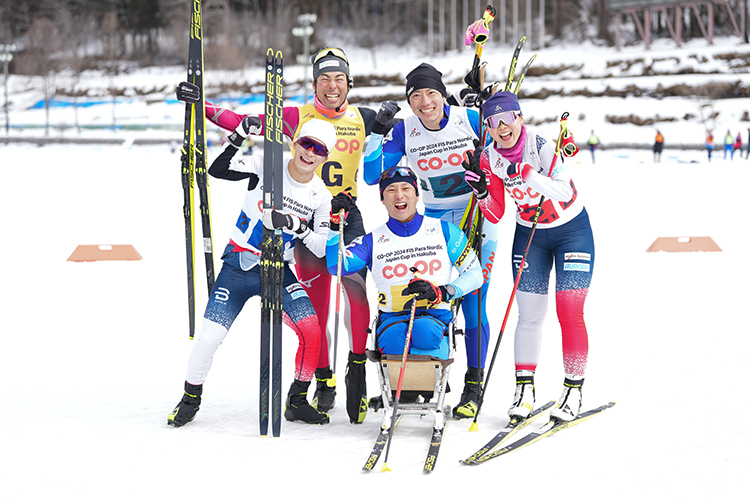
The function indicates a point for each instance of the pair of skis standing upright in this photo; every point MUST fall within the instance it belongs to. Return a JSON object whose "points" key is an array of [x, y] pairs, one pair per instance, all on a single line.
{"points": [[193, 165]]}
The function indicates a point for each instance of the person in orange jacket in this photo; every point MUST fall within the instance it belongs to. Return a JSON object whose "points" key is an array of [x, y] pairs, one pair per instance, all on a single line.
{"points": [[658, 146]]}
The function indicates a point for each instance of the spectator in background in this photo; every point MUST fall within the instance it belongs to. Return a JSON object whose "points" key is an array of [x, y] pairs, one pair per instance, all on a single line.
{"points": [[710, 143], [728, 145], [658, 146], [594, 143], [738, 144]]}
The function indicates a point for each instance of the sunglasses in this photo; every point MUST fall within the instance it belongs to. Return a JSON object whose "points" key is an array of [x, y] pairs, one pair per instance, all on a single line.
{"points": [[312, 145], [330, 50], [400, 171], [506, 117]]}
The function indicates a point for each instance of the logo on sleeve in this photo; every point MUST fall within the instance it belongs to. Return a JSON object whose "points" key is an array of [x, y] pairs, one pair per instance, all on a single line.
{"points": [[462, 257]]}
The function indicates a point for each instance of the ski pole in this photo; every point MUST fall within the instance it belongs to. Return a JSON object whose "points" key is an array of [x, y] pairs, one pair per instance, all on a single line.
{"points": [[479, 33], [385, 468], [558, 146], [332, 381], [479, 238]]}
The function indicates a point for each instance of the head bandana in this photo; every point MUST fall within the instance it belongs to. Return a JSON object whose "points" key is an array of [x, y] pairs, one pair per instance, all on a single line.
{"points": [[397, 174]]}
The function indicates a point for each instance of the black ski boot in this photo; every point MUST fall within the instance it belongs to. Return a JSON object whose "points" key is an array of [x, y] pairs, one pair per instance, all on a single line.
{"points": [[467, 407], [325, 390], [297, 407], [356, 388], [188, 406]]}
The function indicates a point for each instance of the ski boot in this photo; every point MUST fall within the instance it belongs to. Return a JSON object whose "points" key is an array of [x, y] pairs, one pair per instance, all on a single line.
{"points": [[188, 406], [569, 404], [297, 407], [325, 390], [523, 400], [469, 403], [356, 388]]}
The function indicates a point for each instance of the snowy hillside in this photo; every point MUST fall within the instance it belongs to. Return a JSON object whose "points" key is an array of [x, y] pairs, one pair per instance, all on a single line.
{"points": [[637, 91]]}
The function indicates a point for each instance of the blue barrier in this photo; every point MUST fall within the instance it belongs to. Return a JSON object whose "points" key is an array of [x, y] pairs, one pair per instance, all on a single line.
{"points": [[248, 99]]}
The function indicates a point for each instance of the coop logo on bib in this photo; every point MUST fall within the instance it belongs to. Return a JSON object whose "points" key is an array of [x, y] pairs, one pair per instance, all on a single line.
{"points": [[423, 267]]}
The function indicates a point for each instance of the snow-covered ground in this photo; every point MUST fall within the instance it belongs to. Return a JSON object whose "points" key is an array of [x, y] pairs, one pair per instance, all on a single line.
{"points": [[94, 354]]}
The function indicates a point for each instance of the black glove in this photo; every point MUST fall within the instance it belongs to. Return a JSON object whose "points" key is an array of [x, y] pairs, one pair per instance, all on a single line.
{"points": [[475, 77], [188, 93], [425, 290], [387, 111], [474, 175], [273, 219], [342, 201], [466, 97], [249, 125]]}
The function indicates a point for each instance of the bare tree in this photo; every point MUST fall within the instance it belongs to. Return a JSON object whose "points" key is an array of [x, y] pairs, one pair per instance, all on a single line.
{"points": [[76, 31], [41, 43], [110, 28]]}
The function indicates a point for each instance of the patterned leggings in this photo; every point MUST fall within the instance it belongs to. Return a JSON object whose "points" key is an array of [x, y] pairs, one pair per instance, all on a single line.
{"points": [[231, 291], [570, 248]]}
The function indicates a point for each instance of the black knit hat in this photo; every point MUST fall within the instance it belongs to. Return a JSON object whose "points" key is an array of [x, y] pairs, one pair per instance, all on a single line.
{"points": [[425, 76]]}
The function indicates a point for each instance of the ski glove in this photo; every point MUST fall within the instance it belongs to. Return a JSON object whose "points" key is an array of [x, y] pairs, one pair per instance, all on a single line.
{"points": [[387, 111], [188, 93], [425, 290], [466, 97], [474, 175], [522, 169], [249, 125], [475, 77], [477, 32], [342, 201], [273, 219]]}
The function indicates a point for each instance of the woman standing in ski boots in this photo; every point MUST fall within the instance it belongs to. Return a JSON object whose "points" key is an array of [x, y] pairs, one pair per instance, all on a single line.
{"points": [[305, 198], [332, 81], [522, 163], [435, 139]]}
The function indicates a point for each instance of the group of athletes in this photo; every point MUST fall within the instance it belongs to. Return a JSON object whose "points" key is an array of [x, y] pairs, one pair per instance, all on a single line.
{"points": [[450, 164]]}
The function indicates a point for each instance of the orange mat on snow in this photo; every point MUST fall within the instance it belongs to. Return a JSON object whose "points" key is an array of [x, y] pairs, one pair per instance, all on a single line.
{"points": [[684, 244], [91, 253]]}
